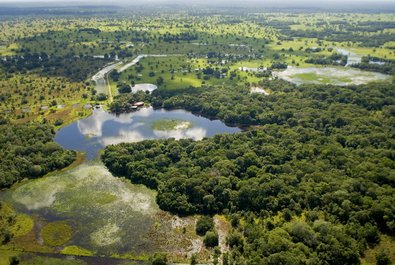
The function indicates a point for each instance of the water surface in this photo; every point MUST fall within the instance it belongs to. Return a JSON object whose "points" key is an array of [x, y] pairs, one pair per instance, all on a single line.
{"points": [[144, 88], [108, 215], [340, 76], [92, 134], [352, 57]]}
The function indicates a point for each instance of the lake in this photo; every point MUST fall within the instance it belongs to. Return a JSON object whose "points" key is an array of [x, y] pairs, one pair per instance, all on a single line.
{"points": [[93, 133]]}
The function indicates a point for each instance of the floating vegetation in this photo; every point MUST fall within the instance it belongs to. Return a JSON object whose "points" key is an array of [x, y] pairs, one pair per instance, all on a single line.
{"points": [[76, 251], [22, 226], [34, 198], [110, 215], [56, 233], [106, 235]]}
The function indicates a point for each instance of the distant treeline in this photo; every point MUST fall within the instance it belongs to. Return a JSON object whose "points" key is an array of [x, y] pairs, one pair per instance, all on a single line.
{"points": [[76, 68], [185, 36], [53, 10], [376, 64], [334, 59], [341, 36]]}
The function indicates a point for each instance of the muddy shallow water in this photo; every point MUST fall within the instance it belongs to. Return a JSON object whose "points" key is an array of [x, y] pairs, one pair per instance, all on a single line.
{"points": [[352, 57], [108, 215], [340, 76]]}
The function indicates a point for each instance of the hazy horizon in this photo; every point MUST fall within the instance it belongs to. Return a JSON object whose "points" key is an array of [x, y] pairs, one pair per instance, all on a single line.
{"points": [[229, 2], [327, 5]]}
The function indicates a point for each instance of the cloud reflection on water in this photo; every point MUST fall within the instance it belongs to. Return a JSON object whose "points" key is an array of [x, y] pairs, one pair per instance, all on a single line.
{"points": [[101, 129], [124, 136], [127, 130], [193, 133], [93, 125]]}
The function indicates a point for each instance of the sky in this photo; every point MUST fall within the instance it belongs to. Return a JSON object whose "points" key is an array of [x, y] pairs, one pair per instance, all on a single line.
{"points": [[199, 1], [358, 4]]}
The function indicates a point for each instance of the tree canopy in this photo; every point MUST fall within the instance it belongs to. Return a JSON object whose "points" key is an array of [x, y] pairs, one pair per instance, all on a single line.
{"points": [[28, 151], [320, 154]]}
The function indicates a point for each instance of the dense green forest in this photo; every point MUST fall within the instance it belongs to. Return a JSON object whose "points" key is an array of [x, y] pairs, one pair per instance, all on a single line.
{"points": [[313, 183], [236, 105], [28, 151], [309, 180]]}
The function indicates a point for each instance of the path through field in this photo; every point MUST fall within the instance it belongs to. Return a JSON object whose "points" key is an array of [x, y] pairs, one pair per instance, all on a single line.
{"points": [[101, 77]]}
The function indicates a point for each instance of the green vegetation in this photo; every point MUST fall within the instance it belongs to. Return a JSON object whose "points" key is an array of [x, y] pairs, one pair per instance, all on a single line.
{"points": [[113, 214], [56, 233], [7, 219], [27, 151], [22, 225], [317, 151], [12, 225], [310, 180], [73, 68], [234, 105], [7, 257], [211, 239], [204, 224], [386, 246], [382, 258], [158, 259], [76, 251], [30, 97], [376, 64]]}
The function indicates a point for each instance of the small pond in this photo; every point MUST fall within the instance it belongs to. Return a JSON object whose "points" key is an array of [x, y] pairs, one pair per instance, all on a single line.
{"points": [[93, 133], [352, 57], [340, 76], [144, 87]]}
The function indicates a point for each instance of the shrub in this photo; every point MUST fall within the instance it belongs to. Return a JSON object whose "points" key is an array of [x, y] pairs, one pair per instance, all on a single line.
{"points": [[204, 224], [159, 259], [211, 239]]}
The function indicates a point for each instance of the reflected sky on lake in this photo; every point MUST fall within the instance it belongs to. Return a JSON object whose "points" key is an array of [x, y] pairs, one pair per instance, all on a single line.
{"points": [[92, 134]]}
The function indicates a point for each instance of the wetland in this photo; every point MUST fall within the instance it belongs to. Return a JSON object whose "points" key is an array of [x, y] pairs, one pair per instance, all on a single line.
{"points": [[308, 180]]}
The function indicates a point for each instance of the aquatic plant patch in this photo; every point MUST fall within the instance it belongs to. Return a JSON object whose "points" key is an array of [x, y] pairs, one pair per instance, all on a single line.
{"points": [[56, 233]]}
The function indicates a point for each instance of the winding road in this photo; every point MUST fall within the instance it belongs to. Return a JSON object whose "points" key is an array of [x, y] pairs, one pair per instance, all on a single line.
{"points": [[101, 77]]}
